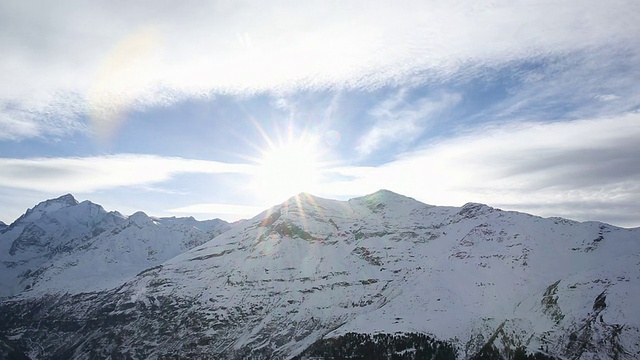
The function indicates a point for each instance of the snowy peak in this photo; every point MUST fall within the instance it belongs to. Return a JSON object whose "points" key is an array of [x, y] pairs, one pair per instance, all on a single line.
{"points": [[51, 223], [63, 200], [470, 210], [301, 201], [304, 204], [385, 201], [51, 228], [61, 244], [314, 218], [140, 219], [85, 214], [67, 199], [383, 197], [55, 204], [47, 206]]}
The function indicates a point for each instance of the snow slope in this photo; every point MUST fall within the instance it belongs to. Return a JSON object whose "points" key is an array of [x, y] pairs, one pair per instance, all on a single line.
{"points": [[384, 263], [62, 245]]}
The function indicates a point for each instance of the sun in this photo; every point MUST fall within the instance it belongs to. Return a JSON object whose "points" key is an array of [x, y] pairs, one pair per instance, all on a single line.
{"points": [[287, 169]]}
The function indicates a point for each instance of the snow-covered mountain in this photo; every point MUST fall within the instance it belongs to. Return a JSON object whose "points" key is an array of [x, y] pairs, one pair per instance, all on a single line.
{"points": [[63, 245], [487, 282]]}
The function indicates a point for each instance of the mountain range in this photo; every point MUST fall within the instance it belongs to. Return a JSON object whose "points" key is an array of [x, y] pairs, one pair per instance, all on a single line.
{"points": [[380, 276], [62, 245]]}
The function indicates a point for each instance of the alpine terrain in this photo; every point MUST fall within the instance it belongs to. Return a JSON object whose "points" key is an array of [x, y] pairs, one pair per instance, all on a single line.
{"points": [[377, 277]]}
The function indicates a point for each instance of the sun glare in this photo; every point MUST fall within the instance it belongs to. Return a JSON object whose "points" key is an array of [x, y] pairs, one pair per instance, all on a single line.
{"points": [[287, 169]]}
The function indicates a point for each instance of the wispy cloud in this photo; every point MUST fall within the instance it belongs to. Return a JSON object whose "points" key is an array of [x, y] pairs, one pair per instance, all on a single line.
{"points": [[13, 128], [83, 58], [594, 83], [543, 168], [398, 120], [59, 175]]}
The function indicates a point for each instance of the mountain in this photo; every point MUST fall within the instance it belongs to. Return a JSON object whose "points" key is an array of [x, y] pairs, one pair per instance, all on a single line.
{"points": [[381, 274], [62, 245]]}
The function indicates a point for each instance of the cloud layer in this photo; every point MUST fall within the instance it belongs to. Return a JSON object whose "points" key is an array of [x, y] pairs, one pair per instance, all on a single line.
{"points": [[60, 175], [64, 61], [212, 208]]}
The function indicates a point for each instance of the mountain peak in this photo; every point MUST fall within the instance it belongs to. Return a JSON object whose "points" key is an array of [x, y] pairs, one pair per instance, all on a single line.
{"points": [[383, 192], [472, 209], [140, 218], [47, 206], [303, 196], [66, 199], [382, 196], [385, 195], [57, 203], [302, 199]]}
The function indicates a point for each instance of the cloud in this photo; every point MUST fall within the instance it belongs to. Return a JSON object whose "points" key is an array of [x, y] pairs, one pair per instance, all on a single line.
{"points": [[15, 128], [55, 117], [59, 175], [398, 120], [543, 168], [595, 83], [83, 58], [211, 208]]}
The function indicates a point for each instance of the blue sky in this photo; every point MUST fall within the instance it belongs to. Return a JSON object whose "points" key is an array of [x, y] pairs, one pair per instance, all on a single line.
{"points": [[226, 108]]}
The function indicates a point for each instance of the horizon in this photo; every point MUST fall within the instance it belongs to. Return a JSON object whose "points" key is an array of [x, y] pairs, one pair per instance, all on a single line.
{"points": [[218, 110], [296, 197]]}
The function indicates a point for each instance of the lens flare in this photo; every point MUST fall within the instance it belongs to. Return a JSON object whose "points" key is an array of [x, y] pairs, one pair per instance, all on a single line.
{"points": [[126, 74], [332, 138], [288, 169]]}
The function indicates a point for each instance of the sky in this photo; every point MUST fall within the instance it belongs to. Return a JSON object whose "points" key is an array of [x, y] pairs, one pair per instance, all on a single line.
{"points": [[225, 108]]}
